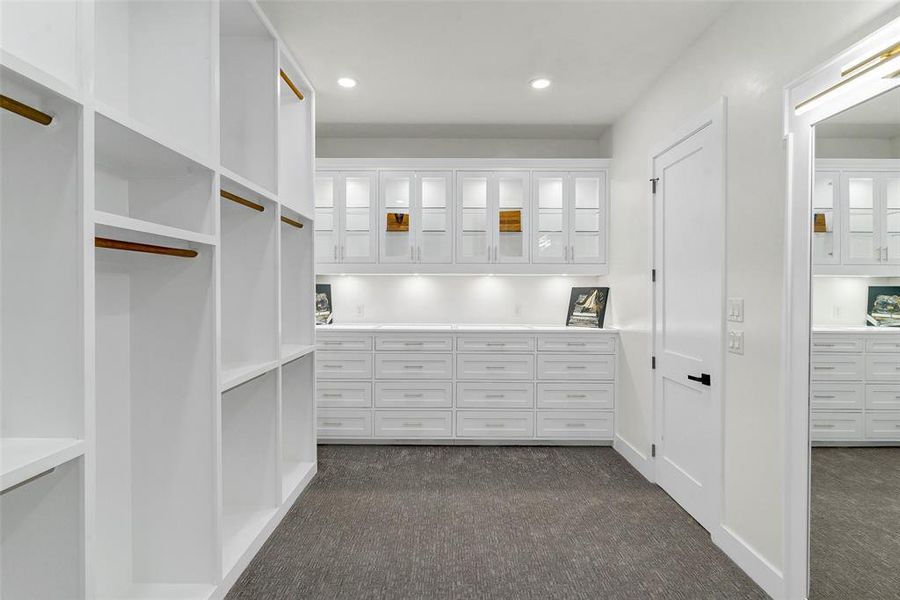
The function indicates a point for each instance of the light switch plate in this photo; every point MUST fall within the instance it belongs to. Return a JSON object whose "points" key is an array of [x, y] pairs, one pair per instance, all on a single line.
{"points": [[735, 310], [735, 341]]}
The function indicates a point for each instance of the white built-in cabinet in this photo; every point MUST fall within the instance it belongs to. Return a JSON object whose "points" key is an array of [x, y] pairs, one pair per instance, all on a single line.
{"points": [[157, 358], [856, 217], [463, 216]]}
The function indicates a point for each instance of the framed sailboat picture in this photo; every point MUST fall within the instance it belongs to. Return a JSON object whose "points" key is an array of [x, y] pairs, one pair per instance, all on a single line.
{"points": [[324, 310], [587, 307]]}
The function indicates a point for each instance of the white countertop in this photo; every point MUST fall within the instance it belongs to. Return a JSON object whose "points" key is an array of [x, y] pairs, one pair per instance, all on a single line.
{"points": [[857, 330], [459, 328]]}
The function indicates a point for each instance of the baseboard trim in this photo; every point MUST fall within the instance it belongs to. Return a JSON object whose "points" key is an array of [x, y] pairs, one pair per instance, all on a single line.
{"points": [[760, 570], [637, 459]]}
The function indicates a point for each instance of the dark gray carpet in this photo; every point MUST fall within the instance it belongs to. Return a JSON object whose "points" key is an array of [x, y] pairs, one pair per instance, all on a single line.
{"points": [[449, 522], [855, 524]]}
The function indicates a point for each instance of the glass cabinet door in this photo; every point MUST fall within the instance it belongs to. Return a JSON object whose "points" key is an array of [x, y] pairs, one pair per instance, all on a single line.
{"points": [[511, 224], [433, 239], [587, 229], [825, 216], [473, 218], [861, 236], [395, 220], [327, 226], [891, 217], [359, 241], [550, 243]]}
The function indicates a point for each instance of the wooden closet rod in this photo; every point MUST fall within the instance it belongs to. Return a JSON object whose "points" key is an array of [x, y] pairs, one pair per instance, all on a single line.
{"points": [[25, 111], [291, 85], [100, 242], [292, 222], [241, 201]]}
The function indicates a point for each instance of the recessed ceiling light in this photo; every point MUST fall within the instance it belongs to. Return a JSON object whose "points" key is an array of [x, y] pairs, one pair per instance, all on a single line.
{"points": [[347, 82], [540, 83]]}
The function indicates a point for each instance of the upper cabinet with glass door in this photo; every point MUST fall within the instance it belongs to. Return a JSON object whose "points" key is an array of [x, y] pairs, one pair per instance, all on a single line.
{"points": [[570, 217], [415, 220], [492, 211], [345, 217]]}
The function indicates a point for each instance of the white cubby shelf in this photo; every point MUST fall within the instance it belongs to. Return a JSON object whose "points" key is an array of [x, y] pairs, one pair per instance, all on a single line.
{"points": [[177, 426]]}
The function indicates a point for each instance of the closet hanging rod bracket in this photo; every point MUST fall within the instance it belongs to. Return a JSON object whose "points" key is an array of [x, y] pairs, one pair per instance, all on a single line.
{"points": [[242, 201], [110, 244], [23, 110]]}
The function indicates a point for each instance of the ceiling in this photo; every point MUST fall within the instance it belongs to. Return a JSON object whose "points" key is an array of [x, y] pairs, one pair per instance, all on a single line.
{"points": [[878, 118], [452, 62]]}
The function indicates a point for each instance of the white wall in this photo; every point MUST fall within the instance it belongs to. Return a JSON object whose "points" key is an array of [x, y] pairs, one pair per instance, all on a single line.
{"points": [[748, 56], [399, 147], [481, 299], [843, 301], [857, 148]]}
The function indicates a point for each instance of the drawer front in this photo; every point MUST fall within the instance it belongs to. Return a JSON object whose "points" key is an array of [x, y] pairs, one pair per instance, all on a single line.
{"points": [[883, 367], [337, 423], [597, 343], [883, 397], [576, 366], [575, 425], [343, 394], [406, 365], [495, 366], [836, 427], [495, 343], [344, 342], [414, 343], [835, 396], [343, 365], [494, 424], [413, 424], [494, 395], [887, 344], [591, 396], [836, 343], [883, 426], [837, 367], [414, 394]]}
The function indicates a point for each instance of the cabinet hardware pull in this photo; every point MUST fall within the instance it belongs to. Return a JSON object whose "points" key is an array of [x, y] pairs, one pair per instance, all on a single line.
{"points": [[413, 395], [413, 366], [576, 366], [242, 201], [824, 368], [335, 252], [824, 426], [576, 343], [23, 110], [576, 424], [412, 424], [333, 366], [495, 344], [494, 425], [495, 395], [332, 423], [824, 345], [413, 343], [822, 396], [109, 244], [291, 85], [330, 395], [494, 367], [576, 395]]}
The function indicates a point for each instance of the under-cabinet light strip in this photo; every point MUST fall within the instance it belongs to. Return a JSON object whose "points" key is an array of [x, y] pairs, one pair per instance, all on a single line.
{"points": [[291, 85], [242, 201], [100, 242], [25, 111]]}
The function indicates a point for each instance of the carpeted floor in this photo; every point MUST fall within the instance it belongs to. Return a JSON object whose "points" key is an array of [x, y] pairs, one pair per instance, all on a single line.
{"points": [[855, 524], [448, 522]]}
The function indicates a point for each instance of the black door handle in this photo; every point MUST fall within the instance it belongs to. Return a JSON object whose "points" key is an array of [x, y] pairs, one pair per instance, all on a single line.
{"points": [[704, 379]]}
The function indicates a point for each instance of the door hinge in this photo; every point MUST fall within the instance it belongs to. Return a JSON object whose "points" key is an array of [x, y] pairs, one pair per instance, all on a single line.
{"points": [[653, 183], [652, 362], [653, 275], [653, 450]]}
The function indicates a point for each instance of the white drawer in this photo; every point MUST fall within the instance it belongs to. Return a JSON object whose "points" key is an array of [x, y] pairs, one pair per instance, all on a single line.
{"points": [[494, 424], [883, 367], [414, 394], [823, 342], [883, 397], [883, 426], [591, 396], [343, 394], [489, 394], [836, 396], [837, 367], [343, 365], [413, 424], [574, 425], [883, 344], [495, 343], [566, 342], [344, 342], [576, 366], [414, 342], [495, 366], [835, 426], [339, 423], [408, 365]]}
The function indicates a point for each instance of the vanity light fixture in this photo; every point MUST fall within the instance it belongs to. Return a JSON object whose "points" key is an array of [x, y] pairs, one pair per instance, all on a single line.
{"points": [[540, 83], [347, 82]]}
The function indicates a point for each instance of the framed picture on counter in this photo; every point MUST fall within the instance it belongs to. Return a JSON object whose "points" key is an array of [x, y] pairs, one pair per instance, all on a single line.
{"points": [[587, 307], [883, 309], [324, 310]]}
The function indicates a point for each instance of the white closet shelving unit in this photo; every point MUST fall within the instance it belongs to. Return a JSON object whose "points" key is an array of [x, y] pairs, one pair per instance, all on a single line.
{"points": [[157, 339]]}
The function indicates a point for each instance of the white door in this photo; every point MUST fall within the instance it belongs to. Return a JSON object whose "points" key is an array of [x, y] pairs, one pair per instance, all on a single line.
{"points": [[689, 247]]}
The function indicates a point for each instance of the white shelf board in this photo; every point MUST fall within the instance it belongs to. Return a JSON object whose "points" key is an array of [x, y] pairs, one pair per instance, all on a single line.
{"points": [[24, 458], [291, 352], [294, 475], [141, 129], [241, 526], [129, 224], [235, 375], [40, 77], [165, 591], [247, 184]]}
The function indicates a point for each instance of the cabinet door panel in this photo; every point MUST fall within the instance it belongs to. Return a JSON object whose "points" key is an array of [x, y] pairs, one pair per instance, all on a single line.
{"points": [[826, 217], [397, 245], [327, 223], [551, 243], [861, 243], [512, 207], [473, 240], [588, 218], [434, 241], [359, 242], [891, 218]]}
